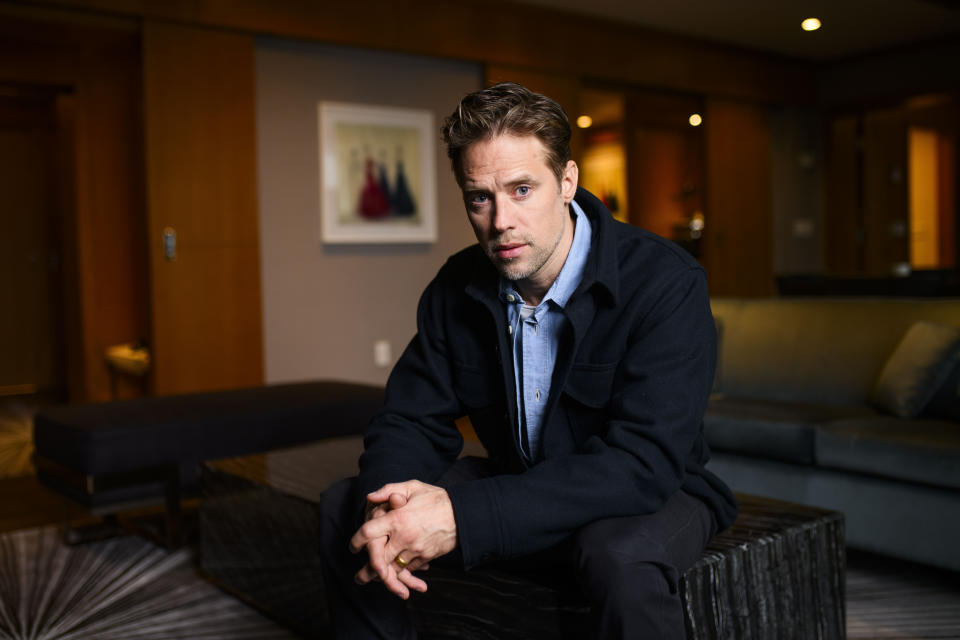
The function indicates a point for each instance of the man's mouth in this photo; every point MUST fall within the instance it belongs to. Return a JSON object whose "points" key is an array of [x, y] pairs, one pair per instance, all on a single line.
{"points": [[507, 251]]}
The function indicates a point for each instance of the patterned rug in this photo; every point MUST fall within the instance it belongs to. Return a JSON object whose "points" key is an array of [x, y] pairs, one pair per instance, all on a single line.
{"points": [[124, 588]]}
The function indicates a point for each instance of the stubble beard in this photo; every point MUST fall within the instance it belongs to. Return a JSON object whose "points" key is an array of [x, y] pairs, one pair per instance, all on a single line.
{"points": [[514, 269]]}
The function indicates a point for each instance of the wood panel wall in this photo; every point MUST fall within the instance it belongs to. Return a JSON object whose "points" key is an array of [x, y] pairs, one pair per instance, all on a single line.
{"points": [[165, 137], [665, 159], [869, 185], [497, 33], [738, 237], [564, 88], [199, 95], [844, 206], [94, 64], [886, 224]]}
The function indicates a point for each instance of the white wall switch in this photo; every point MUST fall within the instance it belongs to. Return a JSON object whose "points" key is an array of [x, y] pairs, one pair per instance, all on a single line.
{"points": [[382, 353]]}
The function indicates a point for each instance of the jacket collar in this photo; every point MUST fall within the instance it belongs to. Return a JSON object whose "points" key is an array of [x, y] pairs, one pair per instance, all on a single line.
{"points": [[599, 273], [601, 270]]}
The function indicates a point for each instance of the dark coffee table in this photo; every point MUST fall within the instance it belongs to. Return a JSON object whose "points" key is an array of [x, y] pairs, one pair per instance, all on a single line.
{"points": [[777, 573]]}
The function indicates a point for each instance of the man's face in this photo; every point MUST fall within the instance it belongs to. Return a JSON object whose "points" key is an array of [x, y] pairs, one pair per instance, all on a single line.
{"points": [[518, 208]]}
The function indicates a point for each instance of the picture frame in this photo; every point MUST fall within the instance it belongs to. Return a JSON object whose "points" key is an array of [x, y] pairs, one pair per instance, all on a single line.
{"points": [[377, 174]]}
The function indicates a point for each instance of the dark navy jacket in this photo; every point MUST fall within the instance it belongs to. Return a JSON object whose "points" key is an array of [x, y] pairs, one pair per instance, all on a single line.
{"points": [[623, 427]]}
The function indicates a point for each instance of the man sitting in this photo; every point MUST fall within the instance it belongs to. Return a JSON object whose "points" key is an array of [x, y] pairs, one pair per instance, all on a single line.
{"points": [[583, 351]]}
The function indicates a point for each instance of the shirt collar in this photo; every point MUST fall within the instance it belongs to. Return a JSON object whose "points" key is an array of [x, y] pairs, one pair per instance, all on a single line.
{"points": [[573, 267]]}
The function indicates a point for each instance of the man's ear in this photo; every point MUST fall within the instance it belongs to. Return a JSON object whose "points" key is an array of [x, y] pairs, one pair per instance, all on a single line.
{"points": [[569, 180]]}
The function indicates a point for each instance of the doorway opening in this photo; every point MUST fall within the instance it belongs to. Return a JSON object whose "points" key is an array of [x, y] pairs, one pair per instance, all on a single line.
{"points": [[35, 260]]}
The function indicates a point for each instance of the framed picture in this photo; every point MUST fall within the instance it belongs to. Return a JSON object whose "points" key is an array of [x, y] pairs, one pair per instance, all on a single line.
{"points": [[377, 174]]}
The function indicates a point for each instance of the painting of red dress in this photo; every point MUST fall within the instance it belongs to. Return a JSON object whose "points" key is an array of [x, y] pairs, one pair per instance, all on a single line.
{"points": [[377, 167]]}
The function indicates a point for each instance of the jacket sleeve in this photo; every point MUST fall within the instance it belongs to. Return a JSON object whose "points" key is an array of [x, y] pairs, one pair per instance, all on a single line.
{"points": [[655, 414], [414, 436]]}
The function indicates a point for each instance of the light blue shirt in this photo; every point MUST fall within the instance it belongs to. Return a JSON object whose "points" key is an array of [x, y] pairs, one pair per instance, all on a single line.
{"points": [[535, 334]]}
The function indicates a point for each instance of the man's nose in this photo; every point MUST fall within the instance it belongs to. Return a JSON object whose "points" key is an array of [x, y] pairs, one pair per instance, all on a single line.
{"points": [[504, 214]]}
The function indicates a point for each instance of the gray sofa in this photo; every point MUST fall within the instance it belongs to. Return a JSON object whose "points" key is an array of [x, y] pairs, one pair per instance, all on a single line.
{"points": [[827, 402]]}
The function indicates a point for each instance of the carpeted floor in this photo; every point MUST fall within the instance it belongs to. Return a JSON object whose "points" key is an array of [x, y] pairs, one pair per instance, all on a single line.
{"points": [[120, 589], [128, 588], [889, 598]]}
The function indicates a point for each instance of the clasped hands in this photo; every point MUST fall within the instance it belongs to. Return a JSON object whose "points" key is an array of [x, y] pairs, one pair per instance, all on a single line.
{"points": [[412, 520]]}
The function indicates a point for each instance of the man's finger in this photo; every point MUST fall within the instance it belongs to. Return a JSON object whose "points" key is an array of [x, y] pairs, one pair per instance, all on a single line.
{"points": [[412, 581], [381, 560], [376, 510], [393, 583], [366, 575], [378, 527], [376, 558], [383, 493], [402, 488], [396, 500]]}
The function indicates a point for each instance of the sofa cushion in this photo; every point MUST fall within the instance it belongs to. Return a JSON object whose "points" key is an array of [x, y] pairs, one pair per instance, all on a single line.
{"points": [[945, 403], [918, 450], [772, 429], [918, 366], [821, 350]]}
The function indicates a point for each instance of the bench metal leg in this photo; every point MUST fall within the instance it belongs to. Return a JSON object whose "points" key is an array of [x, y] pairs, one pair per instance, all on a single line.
{"points": [[108, 527], [174, 516]]}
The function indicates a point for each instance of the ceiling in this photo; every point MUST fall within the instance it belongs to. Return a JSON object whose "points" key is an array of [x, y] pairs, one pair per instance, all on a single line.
{"points": [[850, 27]]}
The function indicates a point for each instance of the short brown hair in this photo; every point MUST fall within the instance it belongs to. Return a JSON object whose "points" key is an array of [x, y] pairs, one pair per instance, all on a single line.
{"points": [[508, 108]]}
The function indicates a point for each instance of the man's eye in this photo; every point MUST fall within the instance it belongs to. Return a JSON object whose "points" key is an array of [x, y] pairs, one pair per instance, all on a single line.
{"points": [[523, 191], [478, 198]]}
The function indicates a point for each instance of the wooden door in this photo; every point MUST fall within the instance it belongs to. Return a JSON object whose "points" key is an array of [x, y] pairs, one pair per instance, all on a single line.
{"points": [[201, 186], [31, 315], [738, 236]]}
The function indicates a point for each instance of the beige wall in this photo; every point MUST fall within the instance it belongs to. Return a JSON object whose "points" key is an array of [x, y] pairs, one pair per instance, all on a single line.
{"points": [[324, 306]]}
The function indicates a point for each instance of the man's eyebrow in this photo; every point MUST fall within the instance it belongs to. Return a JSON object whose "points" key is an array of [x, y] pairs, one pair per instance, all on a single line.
{"points": [[522, 179], [512, 182]]}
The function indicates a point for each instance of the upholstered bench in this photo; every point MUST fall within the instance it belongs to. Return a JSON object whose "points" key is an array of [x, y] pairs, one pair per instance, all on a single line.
{"points": [[777, 574], [112, 455]]}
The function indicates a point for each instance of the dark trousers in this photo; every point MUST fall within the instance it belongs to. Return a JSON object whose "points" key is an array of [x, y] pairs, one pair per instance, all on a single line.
{"points": [[628, 568]]}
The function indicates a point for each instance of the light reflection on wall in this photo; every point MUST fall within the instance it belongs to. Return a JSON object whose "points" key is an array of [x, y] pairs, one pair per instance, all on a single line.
{"points": [[924, 200], [603, 173]]}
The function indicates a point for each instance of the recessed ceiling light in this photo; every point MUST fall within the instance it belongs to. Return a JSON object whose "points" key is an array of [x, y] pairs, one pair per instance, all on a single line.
{"points": [[695, 120], [584, 121], [810, 24]]}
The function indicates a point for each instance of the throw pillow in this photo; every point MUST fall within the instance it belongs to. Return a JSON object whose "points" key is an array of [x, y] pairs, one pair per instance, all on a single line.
{"points": [[917, 368]]}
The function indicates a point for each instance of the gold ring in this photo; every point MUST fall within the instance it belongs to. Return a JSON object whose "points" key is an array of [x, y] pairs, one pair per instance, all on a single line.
{"points": [[401, 562]]}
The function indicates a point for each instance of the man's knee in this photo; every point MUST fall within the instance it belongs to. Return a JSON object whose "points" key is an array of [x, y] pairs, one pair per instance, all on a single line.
{"points": [[629, 579], [614, 561]]}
